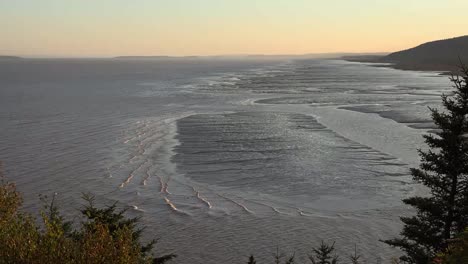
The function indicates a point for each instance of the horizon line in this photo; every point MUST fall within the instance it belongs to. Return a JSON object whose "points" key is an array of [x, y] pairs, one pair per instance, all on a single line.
{"points": [[190, 56]]}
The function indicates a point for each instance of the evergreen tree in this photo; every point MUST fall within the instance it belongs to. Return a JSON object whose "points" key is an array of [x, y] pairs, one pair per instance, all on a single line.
{"points": [[355, 257], [278, 256], [443, 169], [291, 259], [252, 260], [106, 236], [324, 254], [115, 220]]}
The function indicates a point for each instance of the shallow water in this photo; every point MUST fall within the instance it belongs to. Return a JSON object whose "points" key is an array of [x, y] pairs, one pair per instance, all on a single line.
{"points": [[222, 159]]}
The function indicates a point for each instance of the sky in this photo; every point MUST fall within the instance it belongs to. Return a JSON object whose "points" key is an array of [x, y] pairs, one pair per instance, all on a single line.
{"points": [[106, 28]]}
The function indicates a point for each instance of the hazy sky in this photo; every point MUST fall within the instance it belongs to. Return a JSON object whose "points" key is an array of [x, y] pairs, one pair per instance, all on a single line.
{"points": [[209, 27]]}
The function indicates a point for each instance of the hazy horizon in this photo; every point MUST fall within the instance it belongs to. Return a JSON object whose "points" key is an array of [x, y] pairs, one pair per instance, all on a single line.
{"points": [[228, 56], [53, 28]]}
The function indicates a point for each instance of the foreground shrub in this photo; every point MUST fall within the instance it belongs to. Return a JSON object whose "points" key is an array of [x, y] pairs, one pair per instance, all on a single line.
{"points": [[457, 251], [105, 237]]}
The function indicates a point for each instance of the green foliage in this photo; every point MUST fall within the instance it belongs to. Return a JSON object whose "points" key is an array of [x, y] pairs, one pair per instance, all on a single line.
{"points": [[10, 200], [115, 222], [325, 254], [105, 237], [444, 170], [457, 251]]}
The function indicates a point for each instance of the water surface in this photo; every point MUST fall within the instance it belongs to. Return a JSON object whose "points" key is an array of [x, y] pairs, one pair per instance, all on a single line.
{"points": [[222, 159]]}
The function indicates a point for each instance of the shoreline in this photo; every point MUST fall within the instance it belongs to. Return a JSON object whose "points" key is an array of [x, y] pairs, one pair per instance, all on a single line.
{"points": [[443, 69]]}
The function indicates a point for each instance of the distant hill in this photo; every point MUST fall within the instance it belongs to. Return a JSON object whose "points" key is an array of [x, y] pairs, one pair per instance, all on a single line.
{"points": [[155, 57], [439, 55], [252, 56], [9, 58], [434, 55]]}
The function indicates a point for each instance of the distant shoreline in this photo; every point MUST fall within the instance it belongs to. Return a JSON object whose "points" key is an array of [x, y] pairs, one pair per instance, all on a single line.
{"points": [[379, 61], [154, 57], [444, 56], [10, 58], [374, 60]]}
